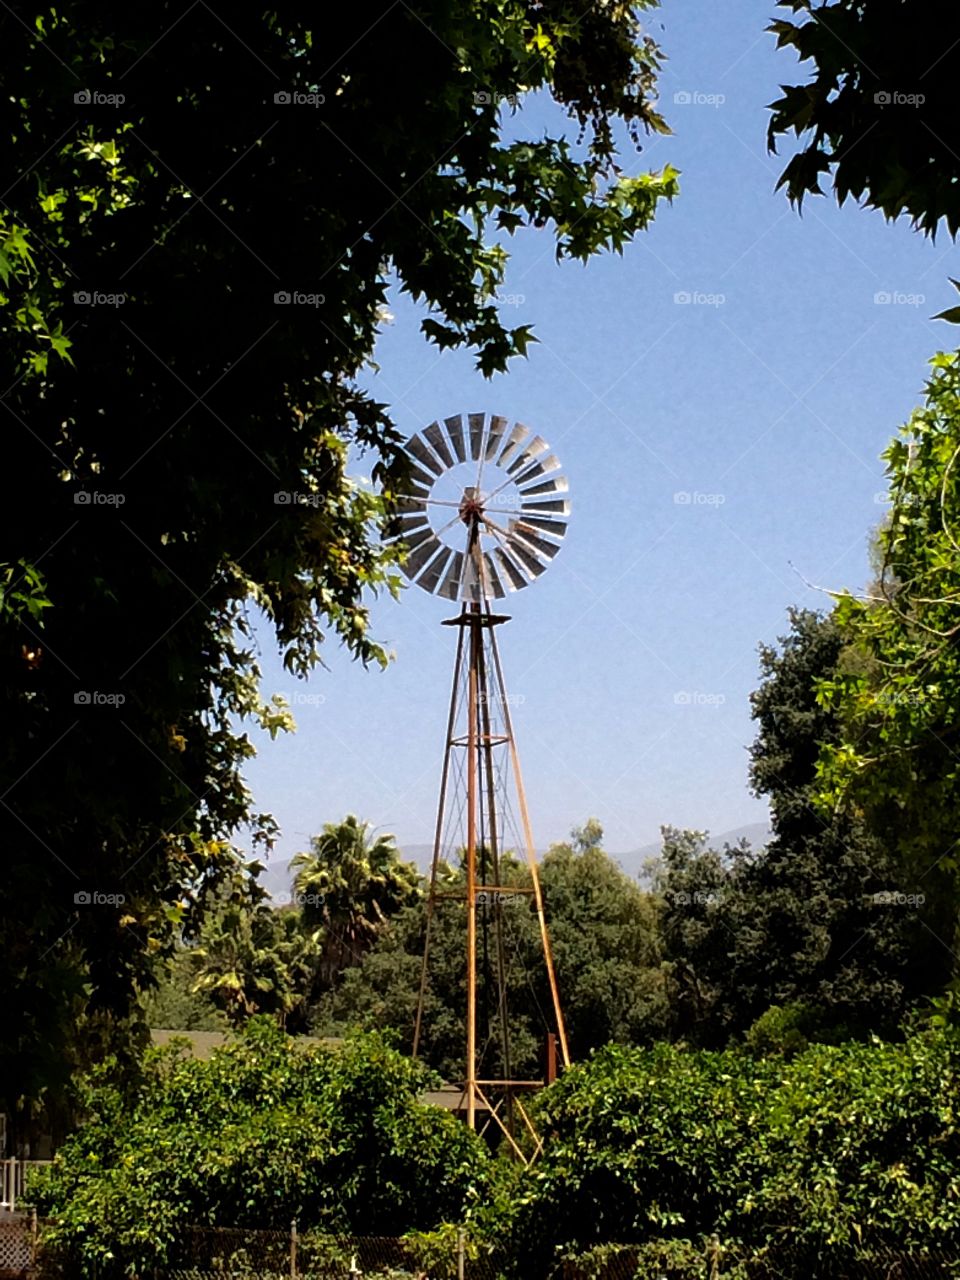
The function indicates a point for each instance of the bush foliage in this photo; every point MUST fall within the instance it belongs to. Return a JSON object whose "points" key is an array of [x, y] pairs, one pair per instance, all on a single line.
{"points": [[262, 1132], [836, 1148]]}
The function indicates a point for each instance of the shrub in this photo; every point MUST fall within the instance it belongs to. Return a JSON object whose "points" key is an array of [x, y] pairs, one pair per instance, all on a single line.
{"points": [[839, 1144], [262, 1132]]}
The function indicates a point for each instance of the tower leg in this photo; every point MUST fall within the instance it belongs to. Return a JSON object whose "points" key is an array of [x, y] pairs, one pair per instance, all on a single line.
{"points": [[437, 839], [496, 907], [472, 762], [531, 852]]}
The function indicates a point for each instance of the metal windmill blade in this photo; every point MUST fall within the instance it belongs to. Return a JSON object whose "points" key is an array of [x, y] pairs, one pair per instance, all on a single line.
{"points": [[484, 508]]}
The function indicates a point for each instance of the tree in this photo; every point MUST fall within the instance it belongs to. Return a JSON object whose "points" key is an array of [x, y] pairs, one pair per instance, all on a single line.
{"points": [[381, 991], [175, 1005], [589, 836], [894, 698], [877, 116], [604, 933], [604, 939], [253, 959], [823, 920], [350, 884], [845, 878], [264, 1131], [699, 891], [248, 958], [194, 258]]}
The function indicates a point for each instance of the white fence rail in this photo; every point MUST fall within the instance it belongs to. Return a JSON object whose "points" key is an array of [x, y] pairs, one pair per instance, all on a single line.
{"points": [[13, 1176]]}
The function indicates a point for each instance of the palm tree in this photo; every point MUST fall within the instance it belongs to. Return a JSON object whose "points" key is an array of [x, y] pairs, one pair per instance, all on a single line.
{"points": [[350, 883], [252, 958]]}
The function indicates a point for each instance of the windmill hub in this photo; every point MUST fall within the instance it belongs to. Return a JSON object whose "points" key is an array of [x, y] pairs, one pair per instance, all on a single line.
{"points": [[471, 507]]}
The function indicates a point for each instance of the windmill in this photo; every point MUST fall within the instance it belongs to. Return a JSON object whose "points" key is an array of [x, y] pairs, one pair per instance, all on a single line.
{"points": [[483, 514]]}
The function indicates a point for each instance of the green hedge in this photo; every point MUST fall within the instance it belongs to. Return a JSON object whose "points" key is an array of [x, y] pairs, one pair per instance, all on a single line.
{"points": [[841, 1144], [262, 1132], [796, 1161]]}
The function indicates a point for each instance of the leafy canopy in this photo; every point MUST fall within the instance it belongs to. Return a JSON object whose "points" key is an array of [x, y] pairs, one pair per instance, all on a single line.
{"points": [[348, 886], [877, 116], [896, 759], [822, 925], [603, 933], [195, 252]]}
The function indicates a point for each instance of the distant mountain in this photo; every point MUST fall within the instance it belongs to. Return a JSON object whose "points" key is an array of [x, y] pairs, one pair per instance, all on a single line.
{"points": [[757, 834], [276, 878], [421, 854]]}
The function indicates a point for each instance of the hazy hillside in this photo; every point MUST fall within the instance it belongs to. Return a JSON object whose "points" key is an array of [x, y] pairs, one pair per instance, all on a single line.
{"points": [[276, 878]]}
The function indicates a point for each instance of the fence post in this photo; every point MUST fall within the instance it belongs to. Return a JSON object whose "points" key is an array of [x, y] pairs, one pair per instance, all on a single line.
{"points": [[461, 1254], [293, 1250], [713, 1258]]}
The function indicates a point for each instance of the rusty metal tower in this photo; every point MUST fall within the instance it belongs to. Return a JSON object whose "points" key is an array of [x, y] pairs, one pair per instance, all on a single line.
{"points": [[483, 514]]}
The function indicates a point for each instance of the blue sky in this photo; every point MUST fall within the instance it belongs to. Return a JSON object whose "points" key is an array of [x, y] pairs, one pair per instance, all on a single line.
{"points": [[766, 399]]}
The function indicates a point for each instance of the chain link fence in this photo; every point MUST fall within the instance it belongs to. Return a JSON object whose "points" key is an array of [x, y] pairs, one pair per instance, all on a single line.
{"points": [[225, 1253], [244, 1253], [716, 1260], [216, 1253]]}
